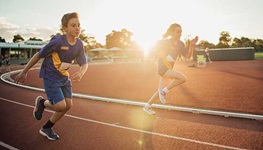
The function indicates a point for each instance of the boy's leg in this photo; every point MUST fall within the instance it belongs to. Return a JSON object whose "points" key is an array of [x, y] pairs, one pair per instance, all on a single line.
{"points": [[60, 109]]}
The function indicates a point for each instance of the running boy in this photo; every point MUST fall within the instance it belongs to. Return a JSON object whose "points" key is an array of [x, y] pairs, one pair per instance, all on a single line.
{"points": [[58, 55]]}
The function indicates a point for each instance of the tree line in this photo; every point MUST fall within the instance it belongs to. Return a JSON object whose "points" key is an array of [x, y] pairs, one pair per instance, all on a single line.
{"points": [[122, 39]]}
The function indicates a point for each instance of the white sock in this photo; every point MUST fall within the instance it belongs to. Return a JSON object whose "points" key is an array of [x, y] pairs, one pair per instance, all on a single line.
{"points": [[165, 90]]}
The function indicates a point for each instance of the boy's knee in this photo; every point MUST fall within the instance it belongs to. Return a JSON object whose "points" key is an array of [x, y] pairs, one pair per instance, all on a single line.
{"points": [[63, 108], [69, 106]]}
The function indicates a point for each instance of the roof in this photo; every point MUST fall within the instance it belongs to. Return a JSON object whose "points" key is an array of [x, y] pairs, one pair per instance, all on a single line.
{"points": [[24, 44]]}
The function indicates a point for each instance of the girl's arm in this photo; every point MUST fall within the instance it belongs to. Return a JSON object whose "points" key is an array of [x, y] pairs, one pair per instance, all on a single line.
{"points": [[191, 48]]}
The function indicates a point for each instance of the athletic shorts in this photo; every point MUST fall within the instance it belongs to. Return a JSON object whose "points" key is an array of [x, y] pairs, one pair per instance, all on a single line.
{"points": [[161, 71], [57, 91], [161, 68]]}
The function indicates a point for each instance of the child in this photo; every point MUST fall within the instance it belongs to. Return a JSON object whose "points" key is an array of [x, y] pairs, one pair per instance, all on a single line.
{"points": [[169, 48], [7, 64], [58, 55], [1, 63], [207, 56]]}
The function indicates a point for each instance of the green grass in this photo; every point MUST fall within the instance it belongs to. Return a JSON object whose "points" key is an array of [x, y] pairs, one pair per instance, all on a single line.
{"points": [[258, 55]]}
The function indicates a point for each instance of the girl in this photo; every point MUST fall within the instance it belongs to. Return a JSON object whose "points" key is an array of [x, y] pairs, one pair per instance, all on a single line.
{"points": [[169, 48]]}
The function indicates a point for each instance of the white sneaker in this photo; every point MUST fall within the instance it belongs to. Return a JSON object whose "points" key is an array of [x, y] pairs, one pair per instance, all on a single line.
{"points": [[147, 108], [162, 95]]}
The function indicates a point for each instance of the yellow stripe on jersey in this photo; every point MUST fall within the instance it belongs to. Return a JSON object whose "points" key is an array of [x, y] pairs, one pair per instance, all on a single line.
{"points": [[57, 63], [165, 62]]}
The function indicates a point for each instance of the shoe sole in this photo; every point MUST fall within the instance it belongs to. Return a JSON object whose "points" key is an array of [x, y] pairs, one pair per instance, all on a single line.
{"points": [[44, 134], [36, 108], [148, 112]]}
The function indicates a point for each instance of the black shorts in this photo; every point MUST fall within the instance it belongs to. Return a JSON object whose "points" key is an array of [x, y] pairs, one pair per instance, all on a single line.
{"points": [[161, 71]]}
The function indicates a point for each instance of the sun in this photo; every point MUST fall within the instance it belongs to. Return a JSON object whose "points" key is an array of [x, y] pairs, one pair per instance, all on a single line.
{"points": [[145, 46]]}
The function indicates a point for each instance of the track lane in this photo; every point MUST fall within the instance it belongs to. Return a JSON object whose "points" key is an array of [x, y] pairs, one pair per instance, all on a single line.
{"points": [[182, 125], [18, 127]]}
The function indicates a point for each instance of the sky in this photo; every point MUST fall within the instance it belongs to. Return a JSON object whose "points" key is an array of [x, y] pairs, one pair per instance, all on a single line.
{"points": [[146, 19]]}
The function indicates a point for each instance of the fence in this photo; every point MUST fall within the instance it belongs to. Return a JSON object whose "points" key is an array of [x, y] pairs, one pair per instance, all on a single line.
{"points": [[244, 53]]}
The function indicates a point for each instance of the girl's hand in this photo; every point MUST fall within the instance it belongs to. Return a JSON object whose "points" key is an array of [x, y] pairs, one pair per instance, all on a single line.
{"points": [[194, 41]]}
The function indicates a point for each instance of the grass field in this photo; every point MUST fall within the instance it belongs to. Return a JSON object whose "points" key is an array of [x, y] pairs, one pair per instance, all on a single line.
{"points": [[258, 55]]}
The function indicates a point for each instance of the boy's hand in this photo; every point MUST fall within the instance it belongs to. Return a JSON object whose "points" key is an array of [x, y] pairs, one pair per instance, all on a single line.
{"points": [[21, 77], [77, 76]]}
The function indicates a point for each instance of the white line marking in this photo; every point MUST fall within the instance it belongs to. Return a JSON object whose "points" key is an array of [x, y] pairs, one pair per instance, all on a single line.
{"points": [[133, 129], [7, 146], [6, 78]]}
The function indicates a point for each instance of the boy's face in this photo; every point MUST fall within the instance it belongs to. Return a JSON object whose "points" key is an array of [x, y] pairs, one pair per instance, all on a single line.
{"points": [[73, 28]]}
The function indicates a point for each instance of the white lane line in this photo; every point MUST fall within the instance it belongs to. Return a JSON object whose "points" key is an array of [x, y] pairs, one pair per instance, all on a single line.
{"points": [[6, 78], [133, 129], [7, 146]]}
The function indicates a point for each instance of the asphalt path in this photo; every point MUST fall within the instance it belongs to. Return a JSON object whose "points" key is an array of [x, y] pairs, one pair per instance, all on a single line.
{"points": [[232, 86]]}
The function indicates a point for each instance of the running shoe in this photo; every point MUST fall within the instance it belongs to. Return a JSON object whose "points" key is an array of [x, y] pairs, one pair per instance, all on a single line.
{"points": [[49, 133], [39, 108], [162, 95], [147, 108]]}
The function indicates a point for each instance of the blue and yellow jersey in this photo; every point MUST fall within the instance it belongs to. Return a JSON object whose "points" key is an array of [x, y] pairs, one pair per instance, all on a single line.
{"points": [[165, 48], [59, 51]]}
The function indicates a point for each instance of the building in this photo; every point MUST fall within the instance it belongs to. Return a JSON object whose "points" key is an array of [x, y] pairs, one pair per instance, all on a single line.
{"points": [[21, 52]]}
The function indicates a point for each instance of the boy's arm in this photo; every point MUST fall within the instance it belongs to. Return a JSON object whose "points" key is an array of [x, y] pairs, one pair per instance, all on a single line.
{"points": [[22, 75], [78, 75]]}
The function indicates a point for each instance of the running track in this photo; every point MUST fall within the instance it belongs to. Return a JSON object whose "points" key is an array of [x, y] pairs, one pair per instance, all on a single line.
{"points": [[102, 125]]}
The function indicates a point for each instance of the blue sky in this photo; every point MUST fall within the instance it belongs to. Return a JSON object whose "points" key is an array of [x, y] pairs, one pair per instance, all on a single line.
{"points": [[147, 19]]}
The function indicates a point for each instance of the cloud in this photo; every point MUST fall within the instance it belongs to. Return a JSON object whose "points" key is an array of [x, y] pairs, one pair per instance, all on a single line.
{"points": [[8, 30]]}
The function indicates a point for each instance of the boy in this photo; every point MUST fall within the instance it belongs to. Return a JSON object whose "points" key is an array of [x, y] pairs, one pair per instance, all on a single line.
{"points": [[58, 54]]}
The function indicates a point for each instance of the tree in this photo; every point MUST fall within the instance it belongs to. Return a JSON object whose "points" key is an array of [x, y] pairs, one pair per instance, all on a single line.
{"points": [[224, 40], [121, 39], [35, 39], [258, 45], [246, 42], [88, 41], [2, 39], [205, 44], [18, 38], [237, 42]]}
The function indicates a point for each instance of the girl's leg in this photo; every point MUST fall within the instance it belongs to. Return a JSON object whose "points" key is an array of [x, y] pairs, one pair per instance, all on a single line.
{"points": [[178, 78], [155, 96], [147, 107]]}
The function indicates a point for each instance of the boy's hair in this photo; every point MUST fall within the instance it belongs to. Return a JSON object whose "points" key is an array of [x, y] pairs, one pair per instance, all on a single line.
{"points": [[65, 19]]}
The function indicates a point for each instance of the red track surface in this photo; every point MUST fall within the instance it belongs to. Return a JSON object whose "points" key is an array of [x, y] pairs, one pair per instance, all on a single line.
{"points": [[231, 86]]}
